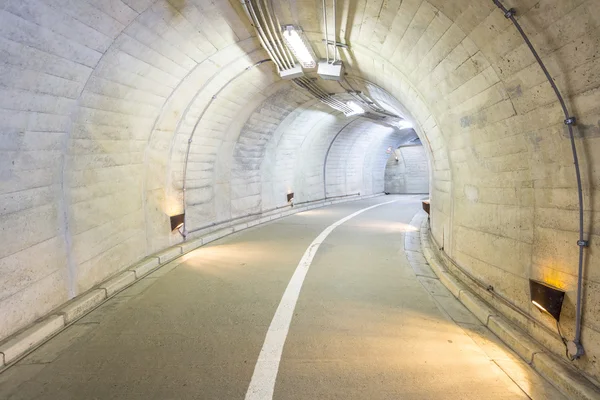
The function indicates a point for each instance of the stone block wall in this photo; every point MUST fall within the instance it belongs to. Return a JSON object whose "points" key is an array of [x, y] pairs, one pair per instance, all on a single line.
{"points": [[100, 98], [407, 171]]}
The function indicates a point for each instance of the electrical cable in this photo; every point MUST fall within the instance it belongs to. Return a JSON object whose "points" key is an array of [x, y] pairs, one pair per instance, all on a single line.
{"points": [[569, 121], [564, 340]]}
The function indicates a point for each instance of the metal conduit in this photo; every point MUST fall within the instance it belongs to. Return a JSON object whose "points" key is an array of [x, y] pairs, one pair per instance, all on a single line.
{"points": [[326, 99], [327, 155], [272, 41], [335, 50], [326, 33], [325, 94], [269, 210], [575, 348], [341, 105], [261, 35], [277, 33], [320, 94], [490, 289], [190, 140], [270, 34], [288, 52]]}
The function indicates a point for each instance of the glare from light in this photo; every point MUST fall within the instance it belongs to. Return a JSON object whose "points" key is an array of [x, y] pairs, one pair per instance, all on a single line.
{"points": [[538, 305], [356, 109], [294, 40], [404, 124]]}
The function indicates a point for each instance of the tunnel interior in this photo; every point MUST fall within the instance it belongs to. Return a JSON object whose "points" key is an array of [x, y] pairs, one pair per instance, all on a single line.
{"points": [[407, 170], [116, 115]]}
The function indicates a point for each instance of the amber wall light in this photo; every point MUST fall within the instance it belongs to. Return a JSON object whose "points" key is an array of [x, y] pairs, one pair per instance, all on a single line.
{"points": [[177, 221], [546, 298]]}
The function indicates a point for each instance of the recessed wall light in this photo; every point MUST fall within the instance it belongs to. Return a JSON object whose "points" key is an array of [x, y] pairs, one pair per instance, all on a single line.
{"points": [[546, 298], [177, 221]]}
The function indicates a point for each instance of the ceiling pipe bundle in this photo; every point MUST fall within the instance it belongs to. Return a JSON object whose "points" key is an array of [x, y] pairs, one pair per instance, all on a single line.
{"points": [[262, 37], [270, 38], [334, 70], [319, 93], [266, 25]]}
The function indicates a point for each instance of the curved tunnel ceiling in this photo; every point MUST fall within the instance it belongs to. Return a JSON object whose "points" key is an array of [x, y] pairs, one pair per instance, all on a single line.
{"points": [[107, 104]]}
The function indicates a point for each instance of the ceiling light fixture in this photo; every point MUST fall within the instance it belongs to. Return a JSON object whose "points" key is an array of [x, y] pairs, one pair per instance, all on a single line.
{"points": [[404, 124], [356, 109], [297, 43]]}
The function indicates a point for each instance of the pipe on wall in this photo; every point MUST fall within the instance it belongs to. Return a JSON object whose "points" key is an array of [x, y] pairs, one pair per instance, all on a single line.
{"points": [[575, 348], [327, 156], [326, 32], [190, 140]]}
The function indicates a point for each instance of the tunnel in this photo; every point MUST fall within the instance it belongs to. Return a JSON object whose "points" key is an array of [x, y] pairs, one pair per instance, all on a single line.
{"points": [[452, 145]]}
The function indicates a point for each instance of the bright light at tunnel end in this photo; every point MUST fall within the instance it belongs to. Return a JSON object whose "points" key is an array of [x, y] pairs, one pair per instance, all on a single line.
{"points": [[404, 124], [295, 41]]}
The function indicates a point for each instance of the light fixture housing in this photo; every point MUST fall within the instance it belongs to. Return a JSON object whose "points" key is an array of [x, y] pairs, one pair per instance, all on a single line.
{"points": [[404, 124], [331, 71], [291, 73], [177, 221], [546, 298], [296, 42]]}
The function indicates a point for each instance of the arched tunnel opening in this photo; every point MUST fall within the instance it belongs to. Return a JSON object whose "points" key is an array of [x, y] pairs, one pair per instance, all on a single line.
{"points": [[165, 164]]}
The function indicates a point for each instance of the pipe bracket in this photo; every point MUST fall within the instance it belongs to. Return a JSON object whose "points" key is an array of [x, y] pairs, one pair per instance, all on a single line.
{"points": [[583, 243], [570, 121], [510, 13]]}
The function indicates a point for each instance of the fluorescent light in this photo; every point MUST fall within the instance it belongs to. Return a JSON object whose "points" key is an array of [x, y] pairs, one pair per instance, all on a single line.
{"points": [[356, 109], [298, 45], [404, 124]]}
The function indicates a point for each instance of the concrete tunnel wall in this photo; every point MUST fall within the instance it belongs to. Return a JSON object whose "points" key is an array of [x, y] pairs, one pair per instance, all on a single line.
{"points": [[407, 171], [99, 99]]}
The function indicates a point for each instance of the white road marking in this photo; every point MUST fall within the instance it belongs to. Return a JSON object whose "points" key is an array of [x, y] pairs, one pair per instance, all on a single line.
{"points": [[262, 384]]}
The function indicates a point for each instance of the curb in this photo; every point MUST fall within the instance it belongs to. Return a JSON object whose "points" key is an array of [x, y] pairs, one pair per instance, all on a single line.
{"points": [[20, 344], [564, 377]]}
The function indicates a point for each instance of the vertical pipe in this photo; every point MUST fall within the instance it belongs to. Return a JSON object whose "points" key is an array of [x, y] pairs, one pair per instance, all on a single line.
{"points": [[326, 33], [191, 138], [334, 33], [327, 156], [569, 121]]}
